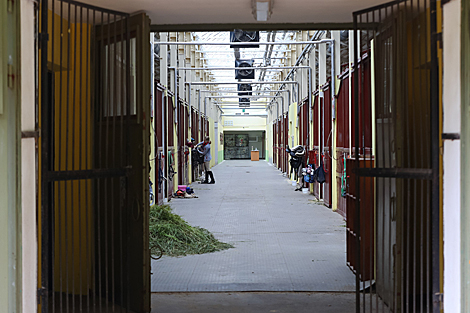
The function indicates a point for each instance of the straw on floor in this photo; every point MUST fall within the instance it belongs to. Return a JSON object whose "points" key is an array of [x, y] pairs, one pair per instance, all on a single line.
{"points": [[176, 237]]}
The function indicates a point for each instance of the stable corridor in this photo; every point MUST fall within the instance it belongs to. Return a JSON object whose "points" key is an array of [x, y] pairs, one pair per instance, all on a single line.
{"points": [[284, 240]]}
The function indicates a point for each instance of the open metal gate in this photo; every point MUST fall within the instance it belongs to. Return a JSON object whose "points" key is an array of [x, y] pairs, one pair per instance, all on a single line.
{"points": [[398, 267], [93, 219]]}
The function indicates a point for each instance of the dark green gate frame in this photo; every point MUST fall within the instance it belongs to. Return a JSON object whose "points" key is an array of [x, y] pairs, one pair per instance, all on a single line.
{"points": [[414, 166]]}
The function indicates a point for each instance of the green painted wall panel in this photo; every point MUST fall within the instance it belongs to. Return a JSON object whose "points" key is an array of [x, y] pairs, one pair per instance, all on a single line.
{"points": [[10, 208]]}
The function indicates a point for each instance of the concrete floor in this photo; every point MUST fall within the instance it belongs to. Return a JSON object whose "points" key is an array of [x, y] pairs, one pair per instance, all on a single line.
{"points": [[286, 244], [253, 302]]}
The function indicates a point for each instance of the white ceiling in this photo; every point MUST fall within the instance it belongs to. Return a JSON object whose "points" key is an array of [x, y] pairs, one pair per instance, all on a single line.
{"points": [[176, 12]]}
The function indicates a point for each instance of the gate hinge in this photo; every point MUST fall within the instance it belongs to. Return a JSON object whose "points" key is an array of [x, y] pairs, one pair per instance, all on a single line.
{"points": [[43, 37], [42, 292], [439, 39]]}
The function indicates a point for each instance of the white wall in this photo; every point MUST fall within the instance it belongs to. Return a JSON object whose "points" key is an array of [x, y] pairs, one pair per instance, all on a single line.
{"points": [[28, 161], [451, 103]]}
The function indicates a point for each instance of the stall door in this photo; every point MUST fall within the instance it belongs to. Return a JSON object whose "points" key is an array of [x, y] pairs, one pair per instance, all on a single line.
{"points": [[93, 233]]}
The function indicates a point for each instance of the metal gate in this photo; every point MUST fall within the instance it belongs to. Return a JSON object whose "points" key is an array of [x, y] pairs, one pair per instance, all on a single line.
{"points": [[93, 219], [396, 250]]}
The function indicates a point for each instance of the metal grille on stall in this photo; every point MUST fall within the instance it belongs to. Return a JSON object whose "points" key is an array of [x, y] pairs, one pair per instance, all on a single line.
{"points": [[93, 217], [393, 232]]}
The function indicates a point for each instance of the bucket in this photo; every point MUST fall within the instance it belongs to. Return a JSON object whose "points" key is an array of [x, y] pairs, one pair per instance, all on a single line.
{"points": [[294, 183], [182, 187], [305, 190]]}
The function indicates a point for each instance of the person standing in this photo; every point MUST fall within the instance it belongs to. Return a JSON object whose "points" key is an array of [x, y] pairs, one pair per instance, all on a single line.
{"points": [[205, 150]]}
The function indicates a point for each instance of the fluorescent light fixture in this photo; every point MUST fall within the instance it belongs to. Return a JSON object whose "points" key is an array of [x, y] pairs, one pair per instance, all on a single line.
{"points": [[262, 9]]}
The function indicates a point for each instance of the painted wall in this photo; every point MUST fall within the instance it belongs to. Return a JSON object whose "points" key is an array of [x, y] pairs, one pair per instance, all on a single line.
{"points": [[293, 126], [451, 102], [233, 123], [10, 156], [28, 161]]}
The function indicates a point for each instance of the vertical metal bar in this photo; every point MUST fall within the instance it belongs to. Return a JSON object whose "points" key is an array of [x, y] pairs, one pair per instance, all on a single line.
{"points": [[164, 141], [45, 146], [101, 112], [87, 103], [385, 118], [356, 161], [60, 208], [373, 214], [406, 200], [122, 102], [50, 150], [393, 206], [426, 190], [420, 162], [91, 233], [67, 140], [128, 147], [404, 208], [114, 43], [106, 162], [435, 203], [361, 232], [380, 158], [80, 138], [413, 162], [72, 195], [391, 181]]}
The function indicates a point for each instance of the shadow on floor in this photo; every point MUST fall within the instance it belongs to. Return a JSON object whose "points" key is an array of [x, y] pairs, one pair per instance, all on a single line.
{"points": [[254, 302]]}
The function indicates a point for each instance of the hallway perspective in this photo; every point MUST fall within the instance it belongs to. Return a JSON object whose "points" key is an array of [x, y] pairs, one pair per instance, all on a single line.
{"points": [[284, 240]]}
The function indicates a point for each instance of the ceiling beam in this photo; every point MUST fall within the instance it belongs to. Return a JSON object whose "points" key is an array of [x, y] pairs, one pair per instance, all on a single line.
{"points": [[249, 26]]}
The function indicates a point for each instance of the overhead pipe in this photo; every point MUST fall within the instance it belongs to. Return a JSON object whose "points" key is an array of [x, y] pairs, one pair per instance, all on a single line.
{"points": [[234, 107], [258, 102], [241, 68], [247, 115], [248, 97], [251, 83], [233, 102], [240, 83], [308, 43], [299, 59], [225, 43]]}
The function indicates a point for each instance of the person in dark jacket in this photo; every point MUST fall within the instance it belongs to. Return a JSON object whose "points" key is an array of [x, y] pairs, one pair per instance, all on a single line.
{"points": [[205, 150]]}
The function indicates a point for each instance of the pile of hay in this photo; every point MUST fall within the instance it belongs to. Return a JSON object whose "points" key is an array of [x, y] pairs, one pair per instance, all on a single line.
{"points": [[176, 237]]}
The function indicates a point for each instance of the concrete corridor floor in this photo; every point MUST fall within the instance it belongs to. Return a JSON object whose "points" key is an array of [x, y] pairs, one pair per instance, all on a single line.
{"points": [[289, 249]]}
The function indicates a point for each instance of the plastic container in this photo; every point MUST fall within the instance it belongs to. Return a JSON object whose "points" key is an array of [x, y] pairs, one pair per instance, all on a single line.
{"points": [[182, 187], [294, 183], [305, 190]]}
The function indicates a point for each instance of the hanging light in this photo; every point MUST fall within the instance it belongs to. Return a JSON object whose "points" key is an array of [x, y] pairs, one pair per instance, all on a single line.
{"points": [[262, 9]]}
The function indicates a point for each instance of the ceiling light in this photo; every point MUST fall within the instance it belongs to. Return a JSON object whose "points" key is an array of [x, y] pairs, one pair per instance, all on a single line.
{"points": [[262, 9]]}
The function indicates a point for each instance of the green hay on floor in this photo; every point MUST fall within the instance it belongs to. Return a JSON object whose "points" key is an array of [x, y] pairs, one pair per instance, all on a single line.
{"points": [[176, 237]]}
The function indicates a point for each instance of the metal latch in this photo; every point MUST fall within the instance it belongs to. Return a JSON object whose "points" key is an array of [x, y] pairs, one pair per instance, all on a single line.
{"points": [[31, 134], [439, 297]]}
